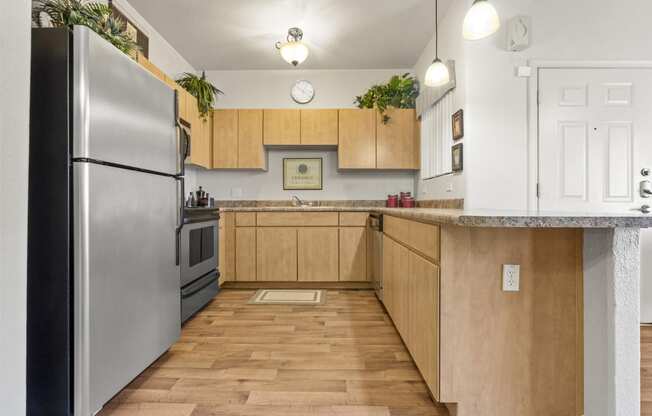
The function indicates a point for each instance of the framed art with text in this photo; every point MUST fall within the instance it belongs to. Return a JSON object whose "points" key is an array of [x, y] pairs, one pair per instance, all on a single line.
{"points": [[302, 174]]}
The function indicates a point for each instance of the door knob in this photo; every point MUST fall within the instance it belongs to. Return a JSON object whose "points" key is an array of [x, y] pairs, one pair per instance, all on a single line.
{"points": [[645, 172], [645, 209], [645, 189]]}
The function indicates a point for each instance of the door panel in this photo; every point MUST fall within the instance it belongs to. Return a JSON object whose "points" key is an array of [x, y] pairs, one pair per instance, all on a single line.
{"points": [[122, 113], [319, 127], [357, 139], [353, 254], [127, 290], [225, 139], [318, 254], [276, 251], [594, 138], [281, 127], [245, 254], [251, 154]]}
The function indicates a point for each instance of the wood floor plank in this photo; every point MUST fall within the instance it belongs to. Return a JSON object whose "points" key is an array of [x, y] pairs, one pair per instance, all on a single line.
{"points": [[343, 358]]}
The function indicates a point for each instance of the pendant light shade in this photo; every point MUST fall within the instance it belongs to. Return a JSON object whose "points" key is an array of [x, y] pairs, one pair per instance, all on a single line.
{"points": [[481, 21], [293, 51], [437, 74]]}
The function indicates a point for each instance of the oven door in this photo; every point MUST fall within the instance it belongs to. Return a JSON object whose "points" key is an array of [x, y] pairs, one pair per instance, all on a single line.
{"points": [[198, 250]]}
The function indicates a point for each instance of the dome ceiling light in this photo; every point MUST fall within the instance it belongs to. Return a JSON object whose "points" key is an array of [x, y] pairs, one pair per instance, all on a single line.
{"points": [[480, 21], [293, 51], [437, 73]]}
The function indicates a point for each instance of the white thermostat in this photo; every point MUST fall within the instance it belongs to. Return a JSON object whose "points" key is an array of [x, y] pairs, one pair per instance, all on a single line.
{"points": [[519, 33], [303, 92]]}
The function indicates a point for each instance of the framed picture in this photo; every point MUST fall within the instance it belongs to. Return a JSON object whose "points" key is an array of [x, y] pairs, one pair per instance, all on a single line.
{"points": [[457, 153], [133, 31], [302, 174], [458, 125]]}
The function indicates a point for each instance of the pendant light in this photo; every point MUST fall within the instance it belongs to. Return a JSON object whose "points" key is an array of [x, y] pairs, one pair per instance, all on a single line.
{"points": [[437, 73], [480, 21], [293, 51]]}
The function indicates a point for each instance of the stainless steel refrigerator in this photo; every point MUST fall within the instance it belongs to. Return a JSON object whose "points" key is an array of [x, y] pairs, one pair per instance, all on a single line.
{"points": [[105, 211]]}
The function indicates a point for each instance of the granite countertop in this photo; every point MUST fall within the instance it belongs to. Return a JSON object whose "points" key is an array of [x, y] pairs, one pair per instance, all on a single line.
{"points": [[481, 218]]}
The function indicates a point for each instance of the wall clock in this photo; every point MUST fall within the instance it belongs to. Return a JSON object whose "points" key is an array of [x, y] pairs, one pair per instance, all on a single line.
{"points": [[303, 92]]}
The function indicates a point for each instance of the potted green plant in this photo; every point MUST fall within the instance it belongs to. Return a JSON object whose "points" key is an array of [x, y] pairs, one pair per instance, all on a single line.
{"points": [[97, 16], [201, 89], [400, 91]]}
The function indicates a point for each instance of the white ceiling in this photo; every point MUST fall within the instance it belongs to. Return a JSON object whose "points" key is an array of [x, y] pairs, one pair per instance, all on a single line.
{"points": [[341, 34]]}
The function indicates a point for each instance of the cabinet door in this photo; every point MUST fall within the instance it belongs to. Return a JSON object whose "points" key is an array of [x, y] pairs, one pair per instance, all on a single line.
{"points": [[276, 254], [281, 127], [397, 141], [201, 148], [353, 254], [389, 290], [245, 254], [401, 285], [319, 127], [251, 153], [423, 337], [227, 246], [318, 254], [357, 139], [225, 139]]}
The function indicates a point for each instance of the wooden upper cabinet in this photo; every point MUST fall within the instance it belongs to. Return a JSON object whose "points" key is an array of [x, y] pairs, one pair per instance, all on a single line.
{"points": [[281, 127], [357, 139], [319, 127], [225, 139], [251, 153], [397, 141], [200, 137]]}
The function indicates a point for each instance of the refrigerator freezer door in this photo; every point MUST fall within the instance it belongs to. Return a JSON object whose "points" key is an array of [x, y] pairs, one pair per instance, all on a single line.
{"points": [[122, 113], [126, 282]]}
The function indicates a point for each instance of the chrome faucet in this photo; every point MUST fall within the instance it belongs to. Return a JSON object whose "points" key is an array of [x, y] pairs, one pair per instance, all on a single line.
{"points": [[298, 202]]}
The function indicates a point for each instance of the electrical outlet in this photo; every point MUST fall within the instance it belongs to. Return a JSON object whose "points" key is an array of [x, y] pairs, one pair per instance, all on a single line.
{"points": [[511, 277], [449, 188]]}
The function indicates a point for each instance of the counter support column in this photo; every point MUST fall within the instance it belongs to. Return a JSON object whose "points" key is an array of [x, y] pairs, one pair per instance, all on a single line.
{"points": [[612, 322]]}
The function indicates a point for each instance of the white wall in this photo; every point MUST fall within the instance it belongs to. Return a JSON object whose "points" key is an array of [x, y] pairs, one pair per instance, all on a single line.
{"points": [[256, 185], [161, 53], [495, 100], [450, 47], [15, 46], [271, 89]]}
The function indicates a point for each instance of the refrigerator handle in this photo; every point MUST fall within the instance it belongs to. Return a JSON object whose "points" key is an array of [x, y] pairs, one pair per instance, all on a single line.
{"points": [[183, 139], [180, 201]]}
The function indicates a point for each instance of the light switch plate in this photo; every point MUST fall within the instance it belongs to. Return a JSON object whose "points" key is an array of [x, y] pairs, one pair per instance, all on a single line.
{"points": [[511, 277]]}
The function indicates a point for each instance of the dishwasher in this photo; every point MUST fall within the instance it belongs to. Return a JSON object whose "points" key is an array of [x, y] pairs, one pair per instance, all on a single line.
{"points": [[376, 246]]}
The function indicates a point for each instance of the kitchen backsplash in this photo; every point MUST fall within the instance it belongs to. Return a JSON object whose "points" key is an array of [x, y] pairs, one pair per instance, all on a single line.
{"points": [[268, 185]]}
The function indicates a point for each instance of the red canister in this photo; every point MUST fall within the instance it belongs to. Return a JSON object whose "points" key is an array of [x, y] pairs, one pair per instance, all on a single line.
{"points": [[392, 201], [407, 202], [403, 196]]}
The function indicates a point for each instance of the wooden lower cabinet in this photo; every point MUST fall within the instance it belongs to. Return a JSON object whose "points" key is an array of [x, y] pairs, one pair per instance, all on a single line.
{"points": [[318, 254], [353, 254], [276, 254], [423, 318], [245, 254], [411, 296]]}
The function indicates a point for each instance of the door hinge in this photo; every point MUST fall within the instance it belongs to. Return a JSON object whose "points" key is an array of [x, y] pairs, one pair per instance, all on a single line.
{"points": [[538, 97], [538, 190]]}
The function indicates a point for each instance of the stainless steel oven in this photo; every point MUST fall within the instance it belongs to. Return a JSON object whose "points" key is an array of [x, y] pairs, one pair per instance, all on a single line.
{"points": [[199, 260]]}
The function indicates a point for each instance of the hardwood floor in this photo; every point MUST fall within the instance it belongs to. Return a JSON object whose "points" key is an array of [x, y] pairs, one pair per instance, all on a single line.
{"points": [[344, 358], [646, 370]]}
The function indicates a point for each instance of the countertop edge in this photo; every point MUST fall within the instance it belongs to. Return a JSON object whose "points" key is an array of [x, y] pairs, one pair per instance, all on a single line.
{"points": [[470, 219]]}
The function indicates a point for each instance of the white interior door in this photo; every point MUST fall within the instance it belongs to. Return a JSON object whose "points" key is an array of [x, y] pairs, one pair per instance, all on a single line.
{"points": [[595, 137]]}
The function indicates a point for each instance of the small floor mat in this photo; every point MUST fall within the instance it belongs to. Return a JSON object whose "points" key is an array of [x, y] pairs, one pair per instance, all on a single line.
{"points": [[288, 297]]}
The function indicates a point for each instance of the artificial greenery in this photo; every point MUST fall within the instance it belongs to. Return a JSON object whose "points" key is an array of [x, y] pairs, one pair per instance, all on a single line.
{"points": [[400, 92], [97, 16], [201, 89]]}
